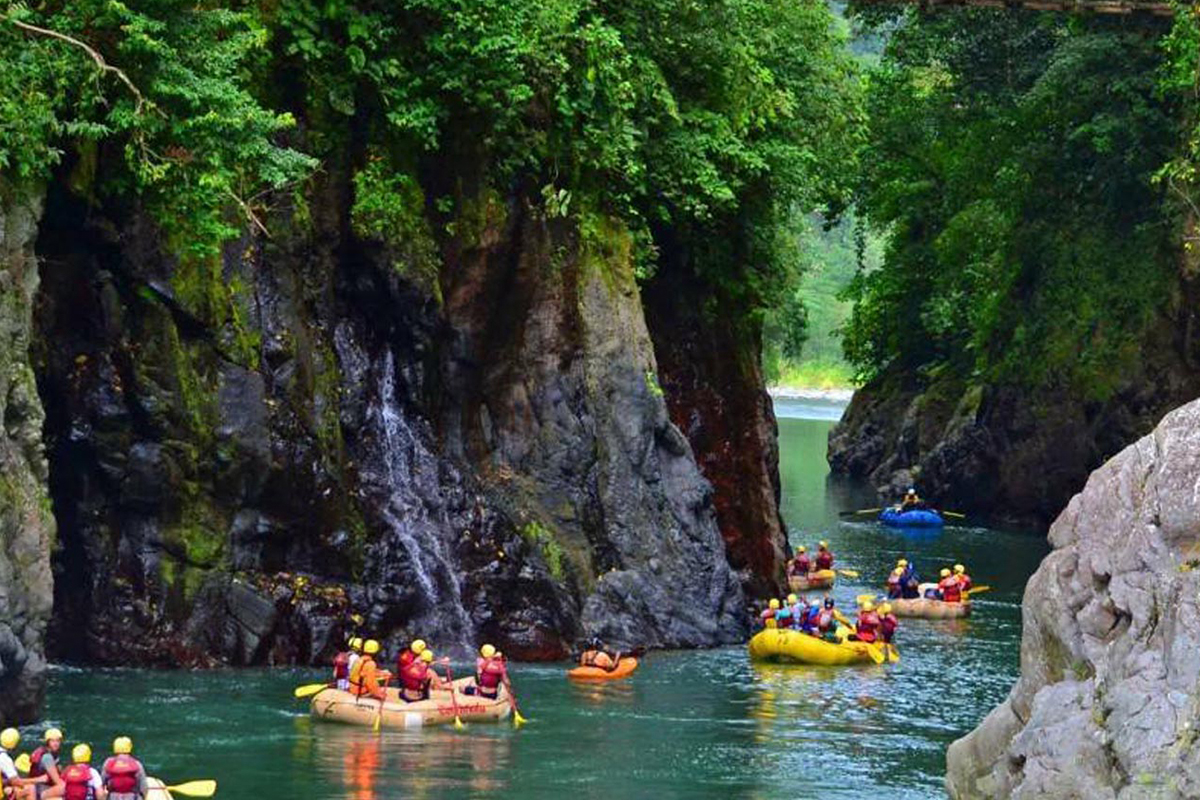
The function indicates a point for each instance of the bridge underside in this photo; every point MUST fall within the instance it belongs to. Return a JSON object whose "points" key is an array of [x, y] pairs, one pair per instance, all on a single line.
{"points": [[1074, 6]]}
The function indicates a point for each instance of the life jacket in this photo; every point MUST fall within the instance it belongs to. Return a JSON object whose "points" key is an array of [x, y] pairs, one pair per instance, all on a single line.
{"points": [[357, 683], [888, 625], [825, 619], [341, 666], [824, 560], [78, 780], [405, 658], [35, 762], [489, 672], [951, 591], [121, 774], [803, 564], [867, 626], [783, 618], [964, 581], [415, 676]]}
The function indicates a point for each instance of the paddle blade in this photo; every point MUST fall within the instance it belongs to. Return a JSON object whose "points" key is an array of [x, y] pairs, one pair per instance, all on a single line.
{"points": [[518, 720], [893, 655], [378, 723], [458, 724], [849, 573], [310, 689], [977, 590], [195, 789], [862, 598], [22, 763], [954, 514], [876, 656]]}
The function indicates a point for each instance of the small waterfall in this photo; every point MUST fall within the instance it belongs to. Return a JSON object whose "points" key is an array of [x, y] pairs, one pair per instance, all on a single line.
{"points": [[413, 494]]}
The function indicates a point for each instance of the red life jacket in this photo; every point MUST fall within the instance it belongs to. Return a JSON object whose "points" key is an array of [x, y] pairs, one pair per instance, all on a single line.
{"points": [[77, 778], [35, 762], [867, 627], [964, 581], [341, 667], [405, 658], [489, 672], [121, 774], [825, 619], [415, 676], [824, 560], [803, 564], [888, 625], [951, 591]]}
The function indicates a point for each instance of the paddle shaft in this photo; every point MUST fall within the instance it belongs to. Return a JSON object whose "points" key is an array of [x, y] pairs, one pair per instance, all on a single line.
{"points": [[453, 698]]}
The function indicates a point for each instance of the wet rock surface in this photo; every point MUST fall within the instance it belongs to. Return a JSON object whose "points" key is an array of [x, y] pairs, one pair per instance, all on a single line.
{"points": [[26, 525], [249, 463], [1109, 693]]}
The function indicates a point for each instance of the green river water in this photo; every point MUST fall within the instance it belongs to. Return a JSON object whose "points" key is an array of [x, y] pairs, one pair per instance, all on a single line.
{"points": [[688, 725]]}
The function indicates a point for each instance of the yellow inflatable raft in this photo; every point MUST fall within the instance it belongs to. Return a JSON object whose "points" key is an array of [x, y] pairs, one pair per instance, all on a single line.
{"points": [[335, 705], [788, 646], [930, 609], [821, 579]]}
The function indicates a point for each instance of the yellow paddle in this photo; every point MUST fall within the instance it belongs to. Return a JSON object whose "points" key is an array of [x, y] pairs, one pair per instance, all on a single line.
{"points": [[518, 720], [458, 723], [953, 514], [310, 689], [977, 590], [893, 653], [23, 763], [876, 656], [205, 788], [379, 717], [849, 573], [862, 598], [860, 511]]}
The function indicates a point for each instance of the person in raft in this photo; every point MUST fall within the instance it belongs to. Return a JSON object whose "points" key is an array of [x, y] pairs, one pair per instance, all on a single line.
{"points": [[800, 565], [344, 661], [783, 617], [767, 617], [824, 557], [597, 655], [409, 655], [490, 673], [910, 582], [124, 776], [80, 781], [867, 627], [43, 766], [365, 675], [912, 501], [964, 580], [12, 785], [827, 622], [949, 587], [894, 589], [418, 679], [887, 624]]}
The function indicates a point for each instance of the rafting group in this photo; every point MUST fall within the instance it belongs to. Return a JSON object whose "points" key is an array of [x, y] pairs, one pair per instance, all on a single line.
{"points": [[805, 573], [43, 775], [911, 512]]}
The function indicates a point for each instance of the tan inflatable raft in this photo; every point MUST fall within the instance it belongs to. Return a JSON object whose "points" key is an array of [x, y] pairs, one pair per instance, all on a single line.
{"points": [[338, 706], [930, 609], [157, 790], [818, 579]]}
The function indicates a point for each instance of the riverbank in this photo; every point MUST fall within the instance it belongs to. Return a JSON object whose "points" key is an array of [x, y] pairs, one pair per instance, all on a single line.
{"points": [[833, 395]]}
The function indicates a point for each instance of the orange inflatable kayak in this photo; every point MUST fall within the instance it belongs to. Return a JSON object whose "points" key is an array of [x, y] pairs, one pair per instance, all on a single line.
{"points": [[624, 668]]}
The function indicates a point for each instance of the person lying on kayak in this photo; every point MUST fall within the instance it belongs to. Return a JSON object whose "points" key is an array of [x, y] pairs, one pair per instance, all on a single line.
{"points": [[949, 587], [964, 580], [597, 655], [43, 765], [123, 775], [867, 627], [80, 781], [824, 557], [801, 565], [490, 673], [11, 783], [365, 675], [894, 589]]}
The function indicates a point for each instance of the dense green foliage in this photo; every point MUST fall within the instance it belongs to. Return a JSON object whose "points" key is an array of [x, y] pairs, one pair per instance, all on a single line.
{"points": [[1012, 161]]}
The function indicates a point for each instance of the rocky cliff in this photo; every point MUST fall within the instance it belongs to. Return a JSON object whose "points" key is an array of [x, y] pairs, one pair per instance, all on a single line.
{"points": [[1015, 453], [26, 524], [458, 434], [1107, 701]]}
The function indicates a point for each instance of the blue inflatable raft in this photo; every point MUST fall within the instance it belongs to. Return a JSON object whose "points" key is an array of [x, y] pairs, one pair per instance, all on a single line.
{"points": [[911, 519]]}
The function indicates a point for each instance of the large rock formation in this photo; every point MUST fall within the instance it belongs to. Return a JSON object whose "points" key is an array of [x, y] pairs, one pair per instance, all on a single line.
{"points": [[1109, 693], [457, 435], [26, 524]]}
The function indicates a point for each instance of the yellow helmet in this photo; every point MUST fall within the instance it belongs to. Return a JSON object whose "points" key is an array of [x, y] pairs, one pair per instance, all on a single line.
{"points": [[82, 754], [898, 571], [10, 738], [959, 569], [868, 606], [370, 647], [51, 734], [487, 651], [945, 573], [801, 549], [417, 646], [902, 563], [886, 608], [791, 599], [122, 746], [356, 644], [427, 656], [822, 544], [774, 604]]}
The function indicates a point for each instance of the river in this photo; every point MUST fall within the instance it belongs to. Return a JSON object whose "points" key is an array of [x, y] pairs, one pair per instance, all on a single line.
{"points": [[687, 724]]}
